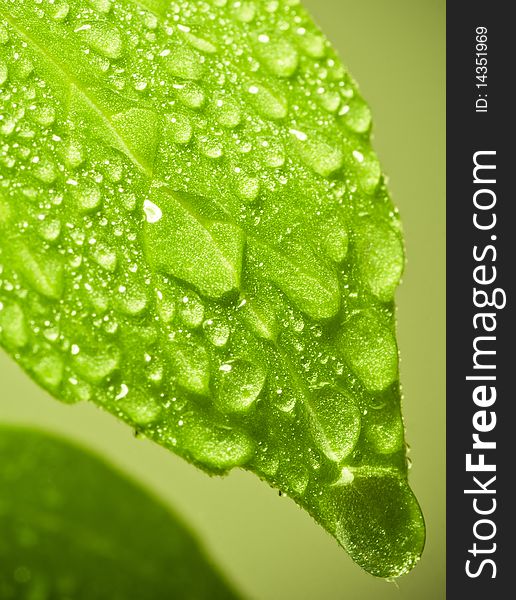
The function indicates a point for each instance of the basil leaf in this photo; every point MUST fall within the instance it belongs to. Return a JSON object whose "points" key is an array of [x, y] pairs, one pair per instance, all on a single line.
{"points": [[196, 235], [73, 527]]}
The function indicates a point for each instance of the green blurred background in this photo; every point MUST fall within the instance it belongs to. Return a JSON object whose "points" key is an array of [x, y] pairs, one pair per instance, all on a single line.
{"points": [[266, 545]]}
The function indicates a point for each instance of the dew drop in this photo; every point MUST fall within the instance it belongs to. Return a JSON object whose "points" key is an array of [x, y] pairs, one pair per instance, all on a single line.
{"points": [[384, 430], [155, 373], [104, 39], [269, 104], [248, 188], [96, 367], [45, 170], [370, 349], [261, 319], [284, 399], [266, 462], [273, 154], [151, 21], [392, 545], [44, 272], [140, 408], [98, 299], [166, 308], [73, 154], [201, 44], [191, 367], [346, 477], [183, 63], [103, 6], [239, 387], [217, 332], [380, 257], [279, 56], [88, 198], [105, 256], [7, 127], [45, 115], [48, 370], [114, 169], [152, 211], [133, 300], [216, 447], [78, 391], [191, 95], [295, 478], [13, 327], [140, 85], [50, 229], [335, 422], [244, 11], [335, 240], [330, 101], [366, 163], [356, 115], [358, 156], [191, 311], [299, 135], [228, 113], [110, 326], [24, 67], [312, 44], [128, 201], [321, 155], [211, 147], [178, 128]]}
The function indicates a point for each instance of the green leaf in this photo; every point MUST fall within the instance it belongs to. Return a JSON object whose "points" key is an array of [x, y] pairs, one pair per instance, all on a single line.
{"points": [[196, 236], [73, 527]]}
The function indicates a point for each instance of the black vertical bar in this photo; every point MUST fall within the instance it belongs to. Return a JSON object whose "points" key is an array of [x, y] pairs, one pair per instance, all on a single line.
{"points": [[480, 118]]}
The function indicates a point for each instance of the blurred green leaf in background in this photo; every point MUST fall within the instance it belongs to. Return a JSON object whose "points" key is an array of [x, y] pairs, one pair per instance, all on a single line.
{"points": [[72, 527]]}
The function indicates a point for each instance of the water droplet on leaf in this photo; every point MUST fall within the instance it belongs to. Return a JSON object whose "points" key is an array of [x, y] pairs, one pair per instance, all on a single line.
{"points": [[191, 367], [321, 155], [48, 370], [239, 388], [216, 448], [335, 421], [380, 257], [98, 366], [270, 104], [104, 39], [183, 63], [88, 198], [178, 128], [152, 211], [13, 327], [279, 56], [371, 351]]}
